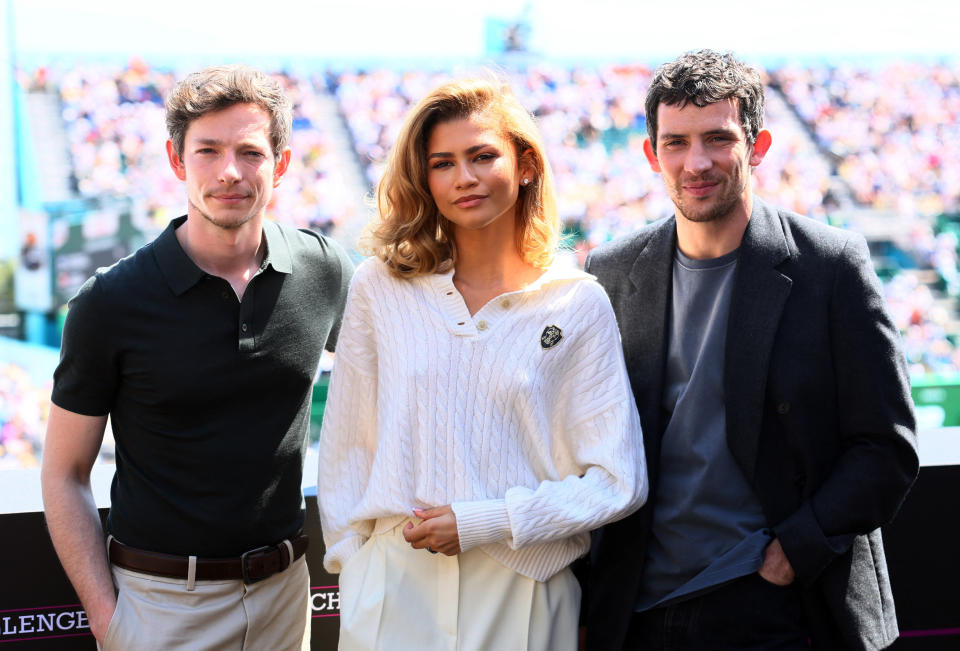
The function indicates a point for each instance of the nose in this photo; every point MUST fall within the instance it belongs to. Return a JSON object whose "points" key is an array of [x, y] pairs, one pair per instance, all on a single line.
{"points": [[697, 160], [229, 172], [465, 176]]}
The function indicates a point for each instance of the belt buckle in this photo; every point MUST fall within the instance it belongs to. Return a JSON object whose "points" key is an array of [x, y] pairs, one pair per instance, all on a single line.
{"points": [[245, 557]]}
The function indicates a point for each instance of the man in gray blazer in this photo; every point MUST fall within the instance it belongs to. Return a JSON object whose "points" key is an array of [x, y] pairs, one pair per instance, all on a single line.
{"points": [[774, 398]]}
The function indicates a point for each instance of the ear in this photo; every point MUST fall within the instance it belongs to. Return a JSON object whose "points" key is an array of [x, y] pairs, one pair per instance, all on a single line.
{"points": [[651, 156], [760, 147], [175, 163], [281, 167], [526, 166]]}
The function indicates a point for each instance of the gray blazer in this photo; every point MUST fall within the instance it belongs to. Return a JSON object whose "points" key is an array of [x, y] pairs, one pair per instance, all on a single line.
{"points": [[818, 408]]}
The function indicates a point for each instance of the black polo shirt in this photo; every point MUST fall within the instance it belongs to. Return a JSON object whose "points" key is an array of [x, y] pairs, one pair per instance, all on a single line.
{"points": [[208, 396]]}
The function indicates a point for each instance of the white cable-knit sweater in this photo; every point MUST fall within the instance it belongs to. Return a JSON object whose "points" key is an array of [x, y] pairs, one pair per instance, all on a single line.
{"points": [[532, 444]]}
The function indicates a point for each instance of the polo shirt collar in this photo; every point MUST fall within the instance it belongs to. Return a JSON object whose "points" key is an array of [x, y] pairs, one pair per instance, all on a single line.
{"points": [[182, 273], [278, 249], [175, 265]]}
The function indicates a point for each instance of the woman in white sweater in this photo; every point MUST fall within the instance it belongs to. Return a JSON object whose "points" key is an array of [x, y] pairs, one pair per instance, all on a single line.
{"points": [[480, 420]]}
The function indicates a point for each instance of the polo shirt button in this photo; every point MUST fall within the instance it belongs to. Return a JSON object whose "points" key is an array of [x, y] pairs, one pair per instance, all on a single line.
{"points": [[482, 325], [224, 295], [506, 302], [243, 327]]}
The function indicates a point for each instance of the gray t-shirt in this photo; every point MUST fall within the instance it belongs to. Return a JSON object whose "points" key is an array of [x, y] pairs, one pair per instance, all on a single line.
{"points": [[708, 527]]}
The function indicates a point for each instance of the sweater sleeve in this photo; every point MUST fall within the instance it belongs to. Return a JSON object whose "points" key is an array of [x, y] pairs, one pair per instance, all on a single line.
{"points": [[597, 421], [348, 433]]}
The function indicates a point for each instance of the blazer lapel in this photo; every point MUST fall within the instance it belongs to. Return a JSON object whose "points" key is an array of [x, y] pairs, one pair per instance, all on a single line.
{"points": [[760, 292], [644, 340]]}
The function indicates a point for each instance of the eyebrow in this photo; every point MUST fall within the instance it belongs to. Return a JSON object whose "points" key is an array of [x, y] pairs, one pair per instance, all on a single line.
{"points": [[219, 143], [447, 154], [711, 132]]}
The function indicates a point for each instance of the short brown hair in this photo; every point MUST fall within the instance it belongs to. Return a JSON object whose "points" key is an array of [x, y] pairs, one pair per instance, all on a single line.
{"points": [[220, 87]]}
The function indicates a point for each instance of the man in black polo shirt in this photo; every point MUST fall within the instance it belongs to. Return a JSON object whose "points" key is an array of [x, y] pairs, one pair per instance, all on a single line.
{"points": [[201, 348]]}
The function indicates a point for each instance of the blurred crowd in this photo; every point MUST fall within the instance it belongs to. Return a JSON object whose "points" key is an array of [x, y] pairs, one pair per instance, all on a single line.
{"points": [[594, 124], [925, 323], [881, 140], [892, 128], [24, 410], [24, 407], [116, 134]]}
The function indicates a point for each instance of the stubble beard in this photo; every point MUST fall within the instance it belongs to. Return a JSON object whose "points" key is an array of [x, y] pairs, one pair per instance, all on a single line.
{"points": [[221, 223], [721, 207]]}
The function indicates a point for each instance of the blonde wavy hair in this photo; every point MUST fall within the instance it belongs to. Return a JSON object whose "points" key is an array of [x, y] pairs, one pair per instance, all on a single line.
{"points": [[409, 234]]}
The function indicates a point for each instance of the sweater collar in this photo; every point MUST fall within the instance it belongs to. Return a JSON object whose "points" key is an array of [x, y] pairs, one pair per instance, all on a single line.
{"points": [[560, 271]]}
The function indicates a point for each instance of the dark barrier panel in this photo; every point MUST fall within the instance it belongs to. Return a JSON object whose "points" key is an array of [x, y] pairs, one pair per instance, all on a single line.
{"points": [[37, 604], [40, 611], [324, 591], [921, 547]]}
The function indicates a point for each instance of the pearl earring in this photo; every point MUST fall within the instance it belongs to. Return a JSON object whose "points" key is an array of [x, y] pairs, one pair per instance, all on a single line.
{"points": [[525, 181]]}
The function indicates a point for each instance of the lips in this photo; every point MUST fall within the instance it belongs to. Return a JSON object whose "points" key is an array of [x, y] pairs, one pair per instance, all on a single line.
{"points": [[700, 188], [469, 201], [229, 198]]}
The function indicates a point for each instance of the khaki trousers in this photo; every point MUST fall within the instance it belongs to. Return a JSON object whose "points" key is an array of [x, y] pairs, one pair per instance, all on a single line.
{"points": [[159, 613], [394, 597]]}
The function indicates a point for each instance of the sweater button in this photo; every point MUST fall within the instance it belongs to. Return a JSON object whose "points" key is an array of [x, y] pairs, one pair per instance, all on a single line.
{"points": [[243, 327]]}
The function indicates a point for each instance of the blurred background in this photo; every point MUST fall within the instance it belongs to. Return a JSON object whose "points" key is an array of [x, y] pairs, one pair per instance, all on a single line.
{"points": [[863, 107]]}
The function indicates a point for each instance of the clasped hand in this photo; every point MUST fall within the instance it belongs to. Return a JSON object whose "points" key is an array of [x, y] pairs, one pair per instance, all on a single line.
{"points": [[437, 531]]}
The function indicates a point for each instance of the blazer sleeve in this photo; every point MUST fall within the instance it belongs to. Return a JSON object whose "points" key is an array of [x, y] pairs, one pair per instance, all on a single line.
{"points": [[877, 461]]}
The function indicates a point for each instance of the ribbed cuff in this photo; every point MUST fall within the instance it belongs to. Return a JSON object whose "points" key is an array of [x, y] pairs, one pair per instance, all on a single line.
{"points": [[481, 522], [338, 555]]}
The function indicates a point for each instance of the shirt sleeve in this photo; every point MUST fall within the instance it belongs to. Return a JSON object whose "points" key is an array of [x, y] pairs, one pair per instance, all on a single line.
{"points": [[348, 436], [344, 267], [600, 425], [86, 379]]}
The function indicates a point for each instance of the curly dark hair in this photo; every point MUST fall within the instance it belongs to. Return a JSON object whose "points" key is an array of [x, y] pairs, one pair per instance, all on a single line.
{"points": [[707, 77]]}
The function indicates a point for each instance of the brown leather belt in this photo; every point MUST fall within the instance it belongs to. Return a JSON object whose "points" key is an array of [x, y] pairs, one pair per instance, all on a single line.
{"points": [[252, 566]]}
